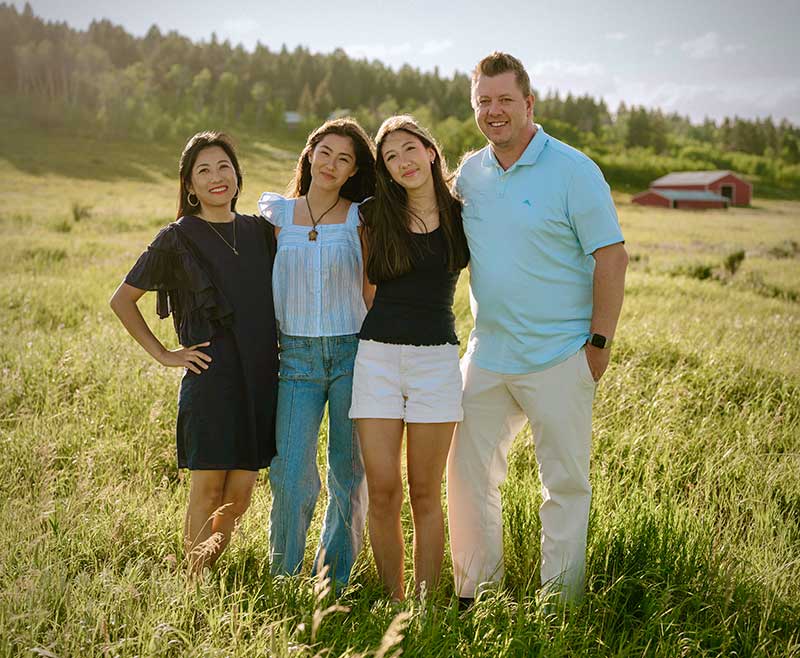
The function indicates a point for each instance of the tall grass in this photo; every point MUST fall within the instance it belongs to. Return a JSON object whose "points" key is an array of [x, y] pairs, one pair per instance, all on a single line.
{"points": [[694, 543]]}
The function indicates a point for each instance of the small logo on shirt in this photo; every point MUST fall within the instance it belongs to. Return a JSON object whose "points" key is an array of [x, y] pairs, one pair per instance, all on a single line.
{"points": [[528, 203]]}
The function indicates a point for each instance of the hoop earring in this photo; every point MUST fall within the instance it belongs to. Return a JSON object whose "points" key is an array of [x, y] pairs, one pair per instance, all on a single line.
{"points": [[236, 196], [189, 201]]}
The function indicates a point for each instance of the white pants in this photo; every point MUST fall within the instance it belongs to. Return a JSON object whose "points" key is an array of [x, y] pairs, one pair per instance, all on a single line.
{"points": [[558, 404]]}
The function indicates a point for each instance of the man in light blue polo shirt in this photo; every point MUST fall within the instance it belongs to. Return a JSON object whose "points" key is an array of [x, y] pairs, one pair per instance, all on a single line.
{"points": [[547, 273]]}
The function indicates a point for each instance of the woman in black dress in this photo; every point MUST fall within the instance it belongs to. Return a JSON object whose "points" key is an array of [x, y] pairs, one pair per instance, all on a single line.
{"points": [[212, 271]]}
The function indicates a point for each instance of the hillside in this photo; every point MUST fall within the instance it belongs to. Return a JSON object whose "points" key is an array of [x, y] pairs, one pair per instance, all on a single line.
{"points": [[161, 88]]}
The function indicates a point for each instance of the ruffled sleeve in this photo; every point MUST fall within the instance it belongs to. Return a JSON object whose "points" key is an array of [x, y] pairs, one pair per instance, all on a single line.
{"points": [[184, 290], [272, 207], [156, 268], [198, 308]]}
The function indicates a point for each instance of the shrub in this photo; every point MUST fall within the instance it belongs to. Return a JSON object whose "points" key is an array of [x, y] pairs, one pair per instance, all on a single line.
{"points": [[732, 261], [61, 226], [699, 271], [786, 249], [80, 211]]}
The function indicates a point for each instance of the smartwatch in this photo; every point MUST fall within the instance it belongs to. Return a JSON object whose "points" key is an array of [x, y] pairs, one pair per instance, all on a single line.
{"points": [[599, 341]]}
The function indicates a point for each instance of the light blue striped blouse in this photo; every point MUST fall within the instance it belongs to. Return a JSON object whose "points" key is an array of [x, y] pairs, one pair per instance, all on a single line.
{"points": [[317, 285]]}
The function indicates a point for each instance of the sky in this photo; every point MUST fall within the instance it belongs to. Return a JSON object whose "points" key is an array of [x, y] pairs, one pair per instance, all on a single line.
{"points": [[699, 58]]}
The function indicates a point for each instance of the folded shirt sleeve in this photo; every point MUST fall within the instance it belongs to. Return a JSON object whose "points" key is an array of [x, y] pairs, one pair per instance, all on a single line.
{"points": [[591, 210]]}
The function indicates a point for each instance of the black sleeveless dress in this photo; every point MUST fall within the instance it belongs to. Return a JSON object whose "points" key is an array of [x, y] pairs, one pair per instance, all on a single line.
{"points": [[226, 414]]}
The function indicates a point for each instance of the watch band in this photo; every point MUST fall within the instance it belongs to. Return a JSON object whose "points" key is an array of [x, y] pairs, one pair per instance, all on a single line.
{"points": [[599, 341]]}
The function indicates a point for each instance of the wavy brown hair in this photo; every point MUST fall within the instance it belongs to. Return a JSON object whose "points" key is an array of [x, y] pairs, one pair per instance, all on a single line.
{"points": [[361, 184], [388, 216], [196, 144]]}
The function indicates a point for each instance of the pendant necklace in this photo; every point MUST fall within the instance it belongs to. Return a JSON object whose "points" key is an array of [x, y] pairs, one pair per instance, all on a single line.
{"points": [[222, 237], [313, 233]]}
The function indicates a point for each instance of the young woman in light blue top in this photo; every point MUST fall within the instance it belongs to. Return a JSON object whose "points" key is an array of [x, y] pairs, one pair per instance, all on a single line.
{"points": [[320, 295]]}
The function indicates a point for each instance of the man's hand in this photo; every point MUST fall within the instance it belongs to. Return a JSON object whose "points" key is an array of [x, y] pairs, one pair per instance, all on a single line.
{"points": [[598, 360], [609, 288]]}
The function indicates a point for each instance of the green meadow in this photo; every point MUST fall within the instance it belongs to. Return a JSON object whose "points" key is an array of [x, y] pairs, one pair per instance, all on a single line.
{"points": [[694, 541]]}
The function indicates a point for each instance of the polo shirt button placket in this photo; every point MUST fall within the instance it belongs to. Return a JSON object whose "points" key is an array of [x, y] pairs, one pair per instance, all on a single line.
{"points": [[502, 184]]}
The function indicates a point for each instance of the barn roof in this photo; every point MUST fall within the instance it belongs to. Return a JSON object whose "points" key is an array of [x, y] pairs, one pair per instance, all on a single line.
{"points": [[691, 177], [690, 195]]}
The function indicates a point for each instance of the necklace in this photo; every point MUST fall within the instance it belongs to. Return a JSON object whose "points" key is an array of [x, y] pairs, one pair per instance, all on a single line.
{"points": [[313, 233], [222, 237], [424, 213], [431, 212]]}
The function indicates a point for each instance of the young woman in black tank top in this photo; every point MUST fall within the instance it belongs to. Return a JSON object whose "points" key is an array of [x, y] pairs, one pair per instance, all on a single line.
{"points": [[406, 373]]}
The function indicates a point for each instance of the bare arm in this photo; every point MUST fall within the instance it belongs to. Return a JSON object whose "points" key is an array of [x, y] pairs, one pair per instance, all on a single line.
{"points": [[123, 303], [609, 288], [368, 288]]}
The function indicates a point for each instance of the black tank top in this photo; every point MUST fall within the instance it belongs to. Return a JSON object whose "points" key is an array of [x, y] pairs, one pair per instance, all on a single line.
{"points": [[416, 308]]}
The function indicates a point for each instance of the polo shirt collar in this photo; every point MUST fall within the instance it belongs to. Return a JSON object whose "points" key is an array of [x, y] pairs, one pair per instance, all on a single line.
{"points": [[529, 156]]}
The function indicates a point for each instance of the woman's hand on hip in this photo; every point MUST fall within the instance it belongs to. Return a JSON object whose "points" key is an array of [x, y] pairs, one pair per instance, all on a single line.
{"points": [[187, 357]]}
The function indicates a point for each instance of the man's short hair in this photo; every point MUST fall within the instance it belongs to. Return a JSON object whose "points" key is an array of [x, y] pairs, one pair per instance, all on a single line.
{"points": [[497, 63]]}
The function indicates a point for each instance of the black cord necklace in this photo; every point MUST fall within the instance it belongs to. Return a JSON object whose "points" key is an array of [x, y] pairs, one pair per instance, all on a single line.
{"points": [[313, 233]]}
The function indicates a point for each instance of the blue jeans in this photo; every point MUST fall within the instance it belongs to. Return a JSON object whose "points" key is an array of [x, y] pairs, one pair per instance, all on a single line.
{"points": [[314, 371]]}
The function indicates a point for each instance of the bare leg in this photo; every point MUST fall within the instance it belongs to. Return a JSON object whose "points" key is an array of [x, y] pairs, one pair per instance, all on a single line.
{"points": [[381, 445], [205, 496], [428, 445], [235, 501]]}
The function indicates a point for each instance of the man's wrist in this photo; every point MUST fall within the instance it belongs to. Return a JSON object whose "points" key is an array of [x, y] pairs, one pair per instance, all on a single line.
{"points": [[599, 341]]}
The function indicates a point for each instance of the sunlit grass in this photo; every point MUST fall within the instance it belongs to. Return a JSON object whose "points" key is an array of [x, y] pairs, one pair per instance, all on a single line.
{"points": [[694, 546]]}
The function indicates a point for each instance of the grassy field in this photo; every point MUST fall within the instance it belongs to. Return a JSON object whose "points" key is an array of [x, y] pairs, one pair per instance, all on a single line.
{"points": [[694, 544]]}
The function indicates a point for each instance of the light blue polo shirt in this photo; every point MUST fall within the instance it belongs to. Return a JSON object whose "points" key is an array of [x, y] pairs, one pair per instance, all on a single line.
{"points": [[531, 231]]}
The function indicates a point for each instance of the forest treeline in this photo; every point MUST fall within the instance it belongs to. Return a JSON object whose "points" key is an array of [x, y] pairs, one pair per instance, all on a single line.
{"points": [[165, 87]]}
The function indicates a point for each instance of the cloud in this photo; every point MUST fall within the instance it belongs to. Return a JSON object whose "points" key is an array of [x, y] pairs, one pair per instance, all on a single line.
{"points": [[561, 67], [616, 36], [702, 47], [707, 46], [778, 96], [733, 48], [567, 76], [436, 47], [386, 53], [377, 50], [661, 45]]}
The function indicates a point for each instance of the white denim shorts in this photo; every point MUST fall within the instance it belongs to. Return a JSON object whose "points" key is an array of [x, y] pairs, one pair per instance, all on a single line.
{"points": [[417, 383]]}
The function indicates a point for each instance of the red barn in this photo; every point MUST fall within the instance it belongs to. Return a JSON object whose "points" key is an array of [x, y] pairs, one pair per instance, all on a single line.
{"points": [[723, 183], [685, 199]]}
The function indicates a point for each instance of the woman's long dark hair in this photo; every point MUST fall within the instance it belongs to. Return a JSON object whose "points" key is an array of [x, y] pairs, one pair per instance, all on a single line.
{"points": [[196, 144], [387, 216], [361, 184]]}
